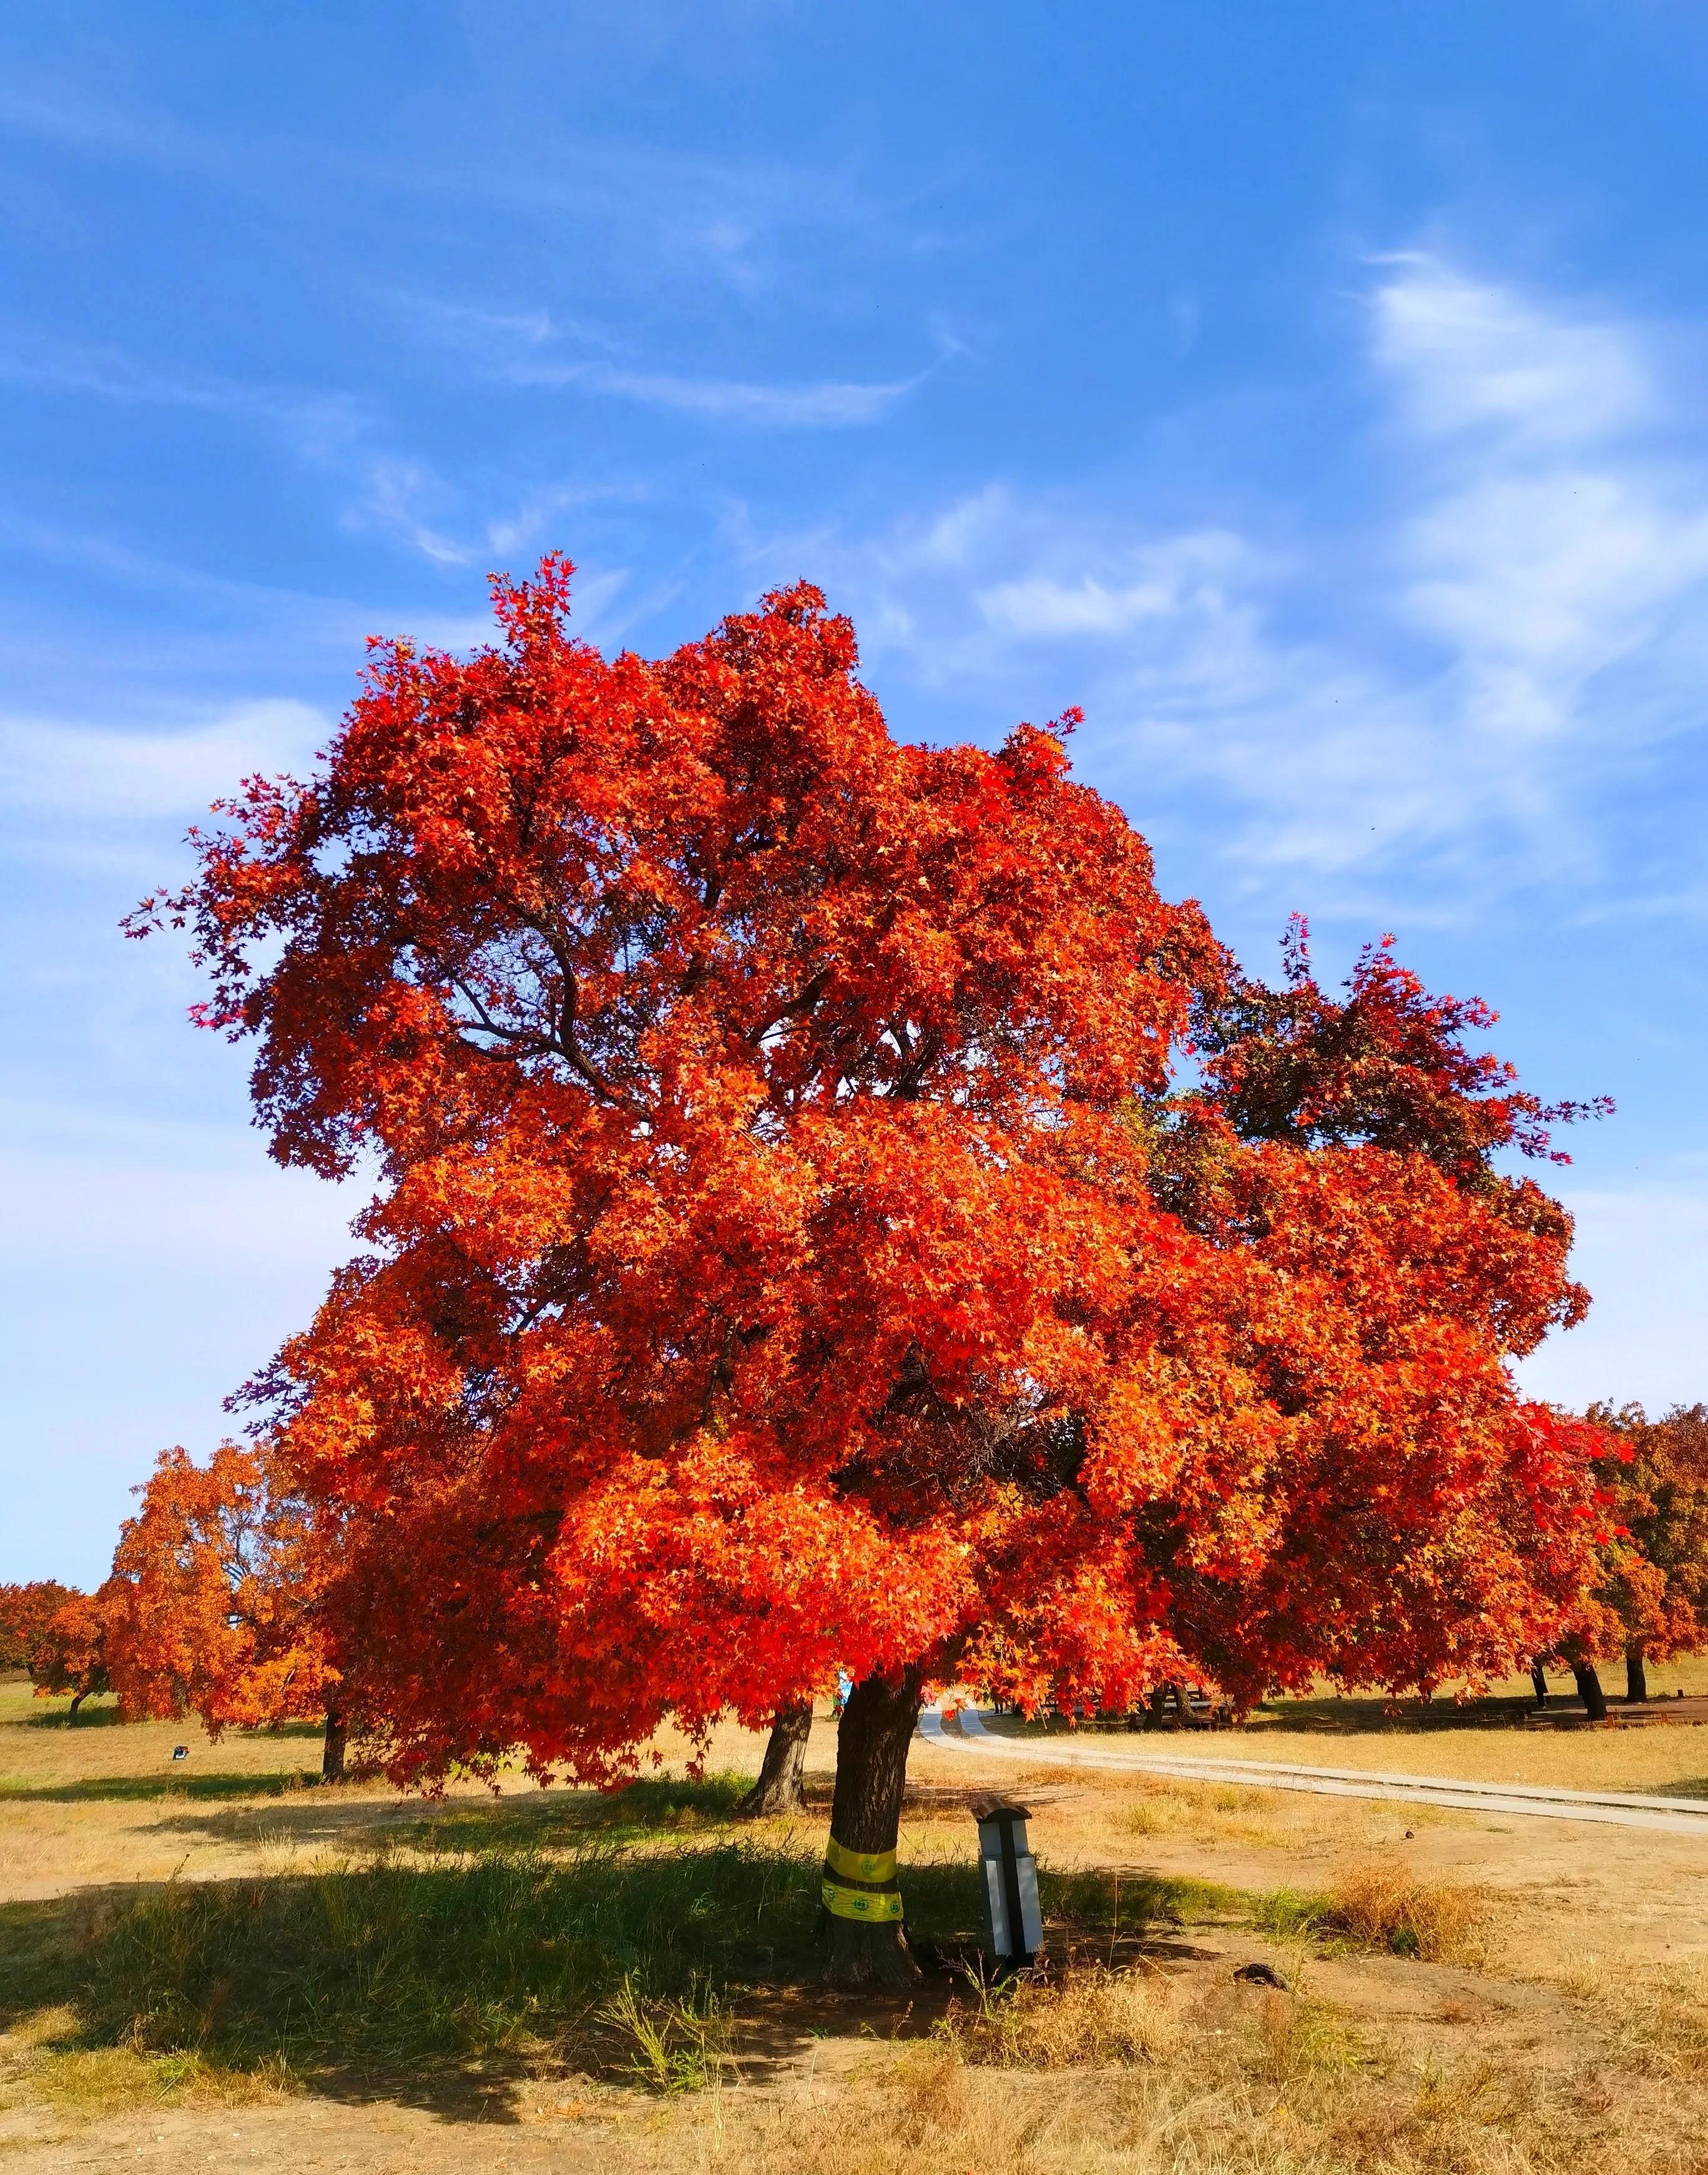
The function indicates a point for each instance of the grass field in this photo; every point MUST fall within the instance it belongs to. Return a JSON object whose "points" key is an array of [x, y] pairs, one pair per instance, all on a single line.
{"points": [[215, 1962]]}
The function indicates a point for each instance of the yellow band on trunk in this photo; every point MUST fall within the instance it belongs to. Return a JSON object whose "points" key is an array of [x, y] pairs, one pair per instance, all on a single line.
{"points": [[860, 1903], [873, 1865]]}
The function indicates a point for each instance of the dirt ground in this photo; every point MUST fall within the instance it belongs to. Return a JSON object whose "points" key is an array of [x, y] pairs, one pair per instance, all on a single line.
{"points": [[1580, 1916]]}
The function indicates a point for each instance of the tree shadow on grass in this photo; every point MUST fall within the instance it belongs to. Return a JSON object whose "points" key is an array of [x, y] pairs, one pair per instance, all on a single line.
{"points": [[142, 1789], [545, 1821], [1363, 1717], [56, 1714], [548, 1820], [453, 1988]]}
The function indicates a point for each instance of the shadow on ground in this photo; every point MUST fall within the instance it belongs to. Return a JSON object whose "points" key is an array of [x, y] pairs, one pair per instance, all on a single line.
{"points": [[293, 1809], [146, 1789], [56, 1715], [450, 1987]]}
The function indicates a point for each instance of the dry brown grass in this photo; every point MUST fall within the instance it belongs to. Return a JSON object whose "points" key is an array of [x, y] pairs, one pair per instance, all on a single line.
{"points": [[1654, 2019], [1384, 1906], [1096, 2019], [1245, 2084], [1215, 1811]]}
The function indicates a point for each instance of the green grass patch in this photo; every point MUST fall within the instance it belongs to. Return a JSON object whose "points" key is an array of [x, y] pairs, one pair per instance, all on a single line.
{"points": [[142, 1789], [622, 1953], [400, 1966], [1288, 1914]]}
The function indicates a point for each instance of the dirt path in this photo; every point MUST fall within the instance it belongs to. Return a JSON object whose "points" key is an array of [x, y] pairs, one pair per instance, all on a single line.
{"points": [[966, 1730]]}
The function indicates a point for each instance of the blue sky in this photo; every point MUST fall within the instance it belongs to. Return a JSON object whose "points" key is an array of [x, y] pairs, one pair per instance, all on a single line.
{"points": [[1312, 393]]}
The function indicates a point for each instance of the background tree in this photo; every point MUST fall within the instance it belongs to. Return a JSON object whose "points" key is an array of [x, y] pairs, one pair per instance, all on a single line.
{"points": [[1653, 1476], [781, 1787], [24, 1613], [1353, 1144], [213, 1603], [69, 1653], [789, 1249]]}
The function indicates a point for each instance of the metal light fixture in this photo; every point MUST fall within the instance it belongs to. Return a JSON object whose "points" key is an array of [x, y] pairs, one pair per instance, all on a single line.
{"points": [[1013, 1923]]}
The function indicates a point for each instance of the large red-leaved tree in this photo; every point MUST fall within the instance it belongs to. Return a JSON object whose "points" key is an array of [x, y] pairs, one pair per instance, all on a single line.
{"points": [[791, 1246]]}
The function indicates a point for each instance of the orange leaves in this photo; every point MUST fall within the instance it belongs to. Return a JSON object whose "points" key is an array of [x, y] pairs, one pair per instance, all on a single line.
{"points": [[1652, 1525], [212, 1603], [1136, 1451], [69, 1648], [25, 1613]]}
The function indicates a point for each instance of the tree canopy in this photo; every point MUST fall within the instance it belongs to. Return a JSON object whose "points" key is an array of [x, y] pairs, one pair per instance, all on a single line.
{"points": [[1653, 1479], [211, 1605], [831, 1209]]}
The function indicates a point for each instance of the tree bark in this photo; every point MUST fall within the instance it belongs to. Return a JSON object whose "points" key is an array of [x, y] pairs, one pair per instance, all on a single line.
{"points": [[1636, 1674], [1589, 1686], [1538, 1677], [331, 1753], [873, 1739], [77, 1700], [779, 1790]]}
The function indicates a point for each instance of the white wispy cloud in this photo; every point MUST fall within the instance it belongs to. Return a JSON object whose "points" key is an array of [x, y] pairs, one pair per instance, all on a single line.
{"points": [[525, 346], [831, 405], [1468, 354], [93, 775], [391, 497], [1561, 522], [329, 431], [321, 423], [1514, 619]]}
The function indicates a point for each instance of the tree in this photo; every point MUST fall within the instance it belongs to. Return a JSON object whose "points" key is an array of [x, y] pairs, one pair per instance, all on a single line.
{"points": [[1653, 1477], [791, 1247], [1351, 1144], [780, 1788], [69, 1653], [213, 1605], [25, 1612]]}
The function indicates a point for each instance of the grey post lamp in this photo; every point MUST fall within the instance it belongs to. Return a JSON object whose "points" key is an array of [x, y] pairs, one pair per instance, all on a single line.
{"points": [[1008, 1887]]}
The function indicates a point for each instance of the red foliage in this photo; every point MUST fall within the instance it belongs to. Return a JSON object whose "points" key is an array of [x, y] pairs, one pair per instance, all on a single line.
{"points": [[788, 1252], [1653, 1478], [1389, 1067]]}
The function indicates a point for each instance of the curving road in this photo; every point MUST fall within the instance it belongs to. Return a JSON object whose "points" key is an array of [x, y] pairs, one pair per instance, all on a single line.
{"points": [[1611, 1808]]}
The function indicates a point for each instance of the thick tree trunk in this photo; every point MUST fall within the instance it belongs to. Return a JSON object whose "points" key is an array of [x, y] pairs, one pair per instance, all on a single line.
{"points": [[1589, 1686], [779, 1790], [1636, 1674], [77, 1700], [1539, 1678], [873, 1738], [331, 1753]]}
